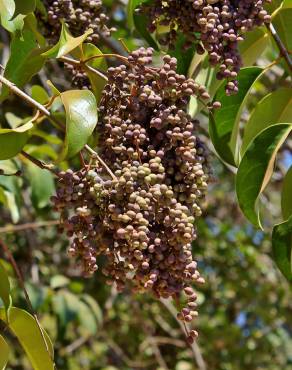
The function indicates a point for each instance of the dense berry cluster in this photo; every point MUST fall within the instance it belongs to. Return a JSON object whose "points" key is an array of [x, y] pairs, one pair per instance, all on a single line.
{"points": [[212, 25], [141, 217], [79, 16]]}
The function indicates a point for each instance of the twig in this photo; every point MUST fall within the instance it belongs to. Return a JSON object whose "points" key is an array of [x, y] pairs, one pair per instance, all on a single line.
{"points": [[46, 112], [118, 56], [27, 226], [157, 353], [194, 347], [78, 63], [21, 283], [95, 155], [284, 52], [39, 163]]}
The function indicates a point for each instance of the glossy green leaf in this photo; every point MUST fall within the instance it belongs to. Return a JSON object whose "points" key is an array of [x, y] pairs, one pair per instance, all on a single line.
{"points": [[226, 119], [4, 353], [286, 198], [282, 20], [24, 62], [282, 247], [253, 46], [5, 289], [66, 43], [24, 7], [81, 119], [273, 108], [42, 185], [256, 168], [13, 140], [7, 9], [25, 328]]}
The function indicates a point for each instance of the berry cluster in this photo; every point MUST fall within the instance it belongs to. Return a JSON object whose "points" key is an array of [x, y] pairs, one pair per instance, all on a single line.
{"points": [[141, 217], [79, 16], [212, 25]]}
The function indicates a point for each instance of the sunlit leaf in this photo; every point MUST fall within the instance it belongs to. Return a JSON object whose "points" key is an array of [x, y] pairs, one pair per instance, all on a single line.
{"points": [[39, 94], [4, 353], [224, 128], [256, 168], [282, 247], [273, 108], [66, 43], [7, 9], [59, 281], [81, 119], [286, 198], [25, 328], [282, 20]]}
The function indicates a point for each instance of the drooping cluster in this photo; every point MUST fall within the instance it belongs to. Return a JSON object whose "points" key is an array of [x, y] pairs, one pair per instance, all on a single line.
{"points": [[215, 26], [141, 215], [79, 16]]}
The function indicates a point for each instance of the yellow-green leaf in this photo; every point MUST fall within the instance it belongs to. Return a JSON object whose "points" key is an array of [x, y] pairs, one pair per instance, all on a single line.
{"points": [[4, 353], [7, 9], [33, 341], [13, 140], [273, 108], [66, 43]]}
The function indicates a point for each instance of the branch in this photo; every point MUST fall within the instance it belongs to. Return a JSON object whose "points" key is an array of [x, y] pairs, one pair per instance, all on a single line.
{"points": [[27, 226], [284, 52], [40, 164], [47, 113], [78, 63]]}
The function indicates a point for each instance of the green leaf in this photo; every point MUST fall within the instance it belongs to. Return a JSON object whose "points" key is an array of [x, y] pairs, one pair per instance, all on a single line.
{"points": [[226, 119], [282, 247], [81, 119], [24, 7], [273, 108], [13, 120], [25, 328], [24, 62], [256, 168], [13, 140], [83, 312], [7, 9], [39, 94], [139, 21], [42, 186], [97, 83], [66, 43], [253, 46], [4, 353], [5, 289], [94, 306], [185, 59], [286, 198], [282, 20], [59, 281]]}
